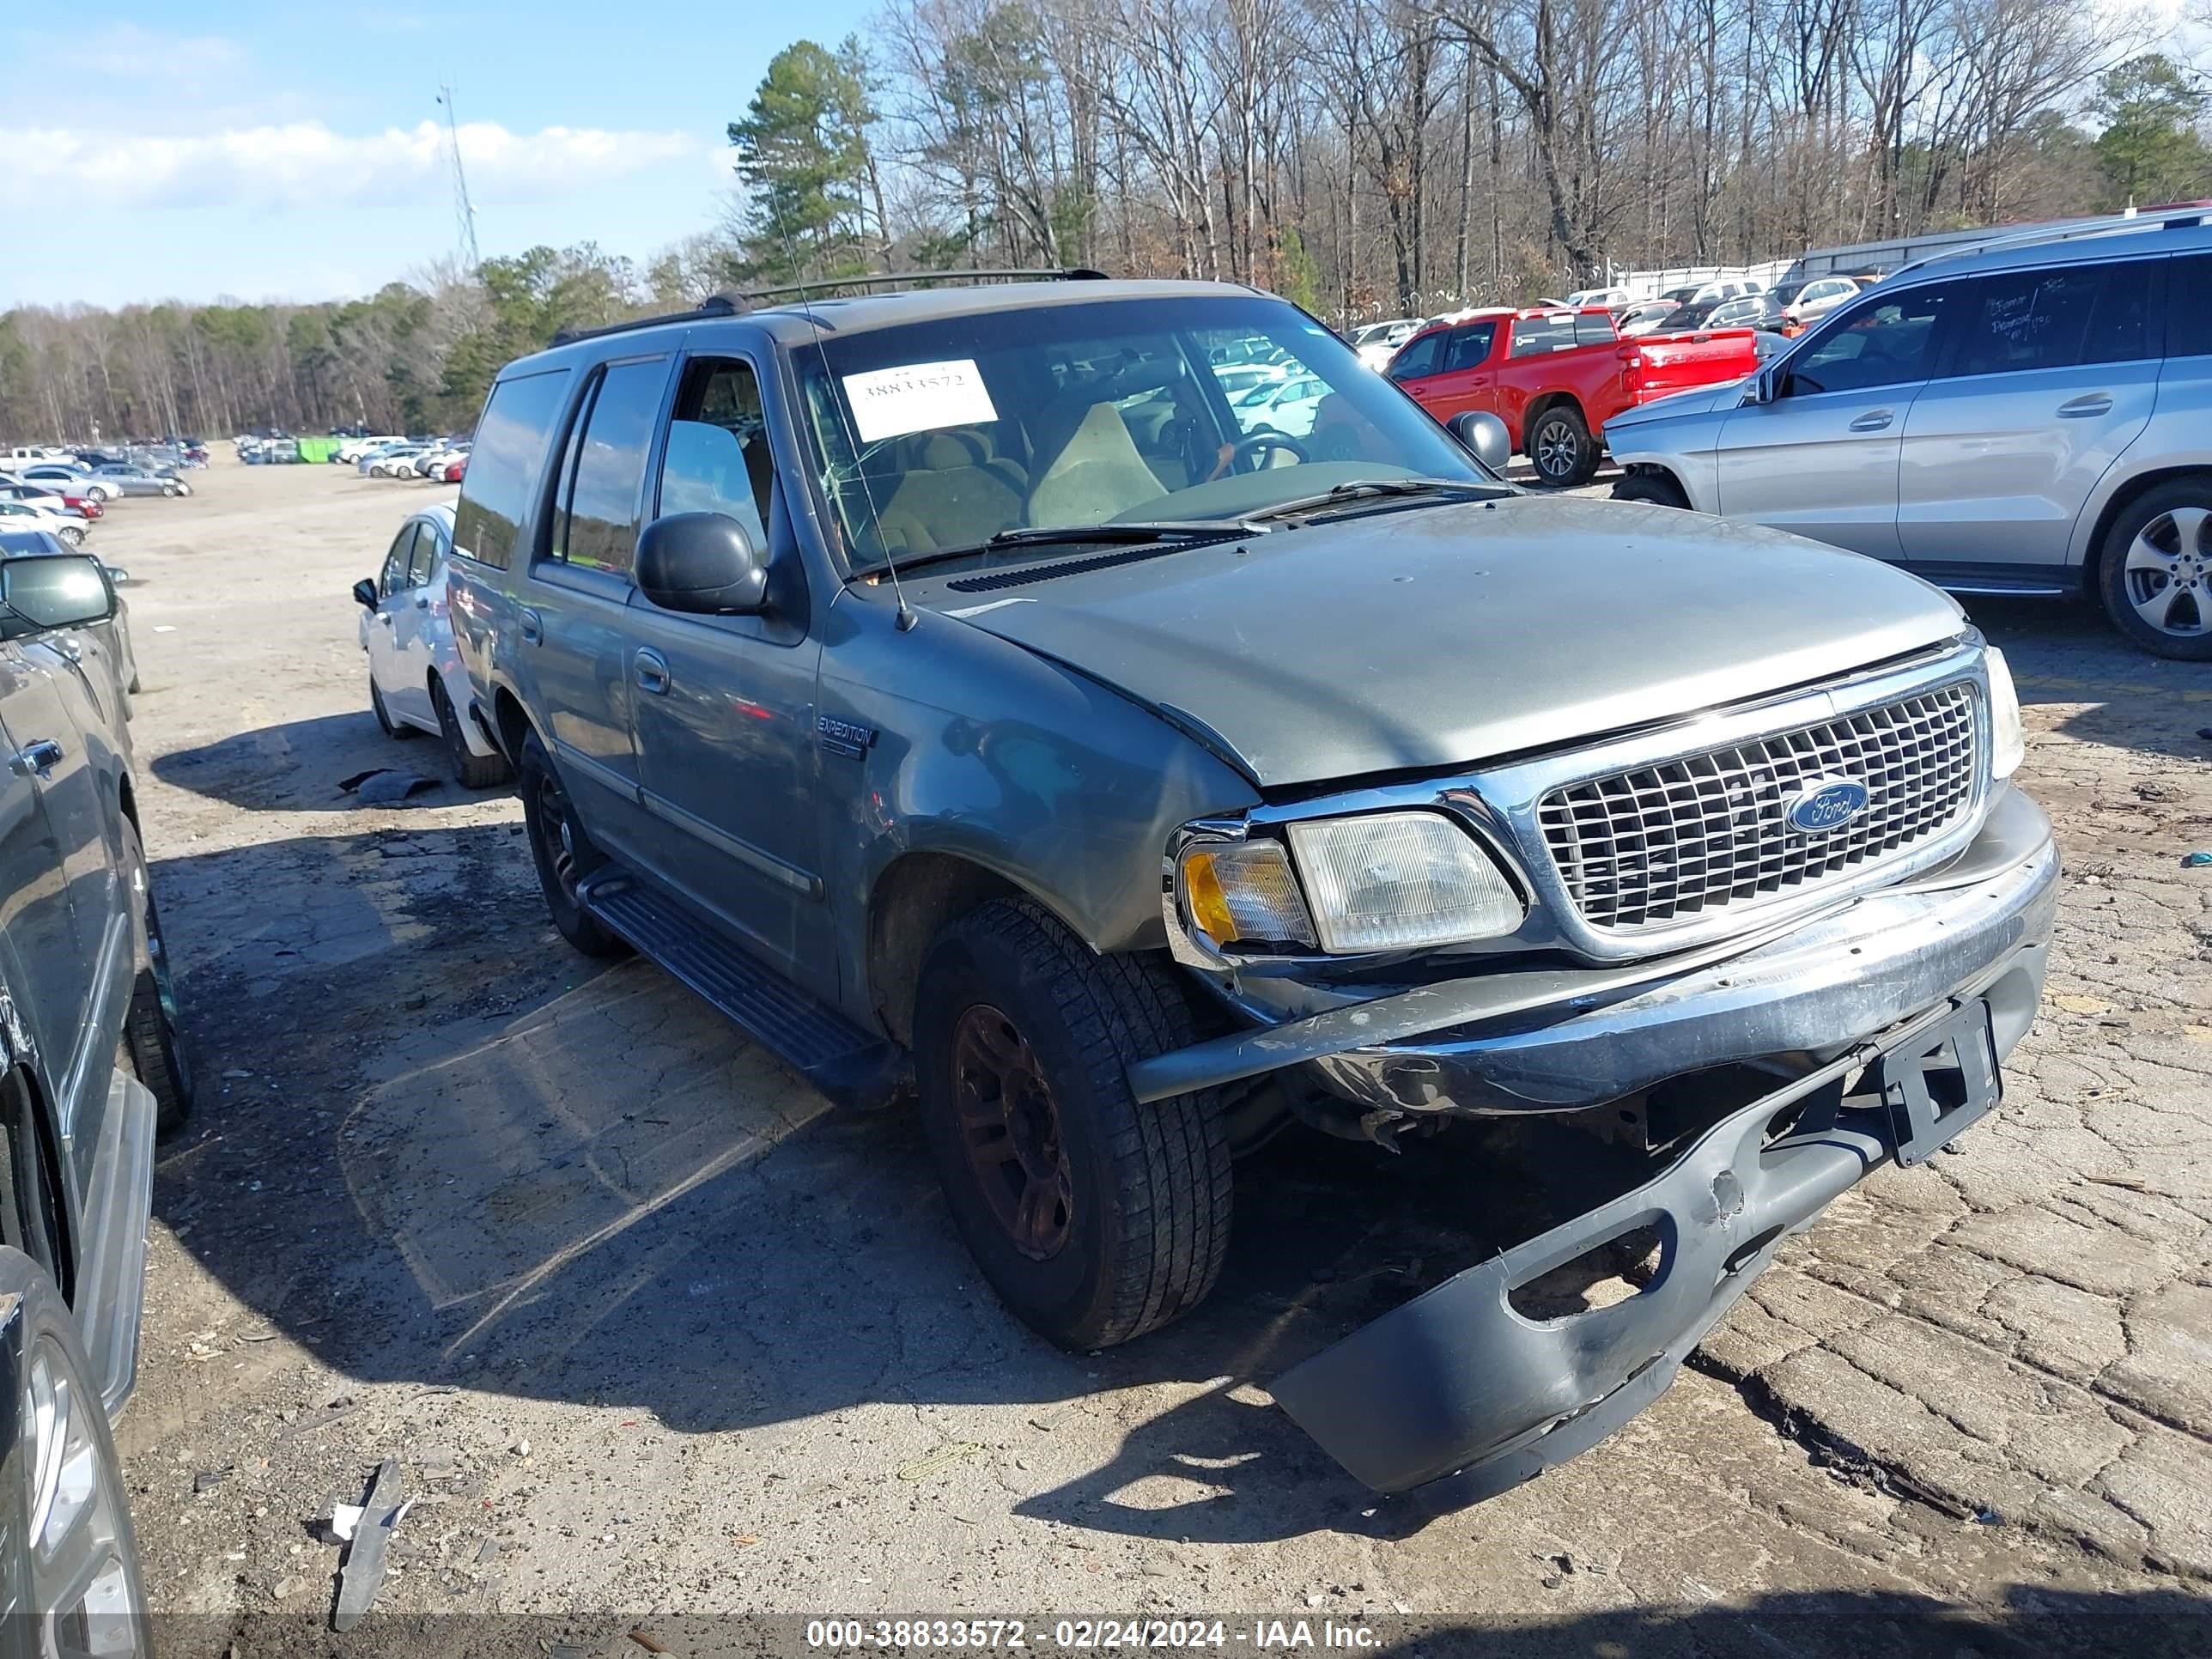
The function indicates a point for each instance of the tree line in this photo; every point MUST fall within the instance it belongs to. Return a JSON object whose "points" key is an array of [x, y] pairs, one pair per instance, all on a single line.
{"points": [[1365, 157]]}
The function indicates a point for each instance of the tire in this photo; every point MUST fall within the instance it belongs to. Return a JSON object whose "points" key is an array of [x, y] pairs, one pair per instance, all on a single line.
{"points": [[151, 1041], [71, 535], [393, 728], [2164, 603], [1096, 1219], [170, 490], [564, 853], [1656, 487], [471, 770], [1558, 445]]}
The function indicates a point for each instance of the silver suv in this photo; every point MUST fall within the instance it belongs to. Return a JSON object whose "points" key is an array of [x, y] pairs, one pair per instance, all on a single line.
{"points": [[2029, 417]]}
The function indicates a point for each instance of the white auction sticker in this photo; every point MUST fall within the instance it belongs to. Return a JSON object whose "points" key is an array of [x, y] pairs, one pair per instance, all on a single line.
{"points": [[890, 403]]}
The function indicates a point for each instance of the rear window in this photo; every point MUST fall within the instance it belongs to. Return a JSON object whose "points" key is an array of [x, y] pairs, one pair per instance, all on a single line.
{"points": [[510, 445], [1535, 335]]}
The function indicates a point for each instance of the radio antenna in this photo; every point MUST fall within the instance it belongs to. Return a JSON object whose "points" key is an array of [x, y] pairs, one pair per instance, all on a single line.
{"points": [[906, 618]]}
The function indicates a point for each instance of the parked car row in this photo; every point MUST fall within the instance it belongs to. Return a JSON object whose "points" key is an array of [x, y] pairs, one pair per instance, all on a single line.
{"points": [[439, 461]]}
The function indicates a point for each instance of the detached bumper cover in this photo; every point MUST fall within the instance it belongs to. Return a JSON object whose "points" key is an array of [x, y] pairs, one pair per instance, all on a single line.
{"points": [[1457, 1383]]}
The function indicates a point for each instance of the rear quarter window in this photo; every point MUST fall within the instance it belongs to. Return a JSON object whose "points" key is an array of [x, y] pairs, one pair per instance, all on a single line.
{"points": [[512, 439]]}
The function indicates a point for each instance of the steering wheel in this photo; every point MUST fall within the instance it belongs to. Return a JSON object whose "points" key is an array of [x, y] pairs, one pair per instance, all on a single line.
{"points": [[1250, 447]]}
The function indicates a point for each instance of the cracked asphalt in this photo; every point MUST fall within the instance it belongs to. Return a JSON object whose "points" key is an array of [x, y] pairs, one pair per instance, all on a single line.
{"points": [[654, 1334]]}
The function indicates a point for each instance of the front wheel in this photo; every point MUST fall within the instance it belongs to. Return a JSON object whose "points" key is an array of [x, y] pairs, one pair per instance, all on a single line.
{"points": [[1560, 447], [1095, 1217], [391, 728], [471, 770], [1656, 487], [2155, 575], [72, 535], [564, 853]]}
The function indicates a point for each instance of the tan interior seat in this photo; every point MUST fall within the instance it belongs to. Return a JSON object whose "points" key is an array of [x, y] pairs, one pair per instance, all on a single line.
{"points": [[952, 491], [1097, 474]]}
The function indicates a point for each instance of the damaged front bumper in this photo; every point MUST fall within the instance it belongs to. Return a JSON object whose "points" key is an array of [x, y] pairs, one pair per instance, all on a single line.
{"points": [[1908, 996], [1458, 1382]]}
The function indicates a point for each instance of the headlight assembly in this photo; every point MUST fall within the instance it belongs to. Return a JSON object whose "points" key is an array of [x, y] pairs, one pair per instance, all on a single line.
{"points": [[2008, 737], [1349, 886], [1398, 881]]}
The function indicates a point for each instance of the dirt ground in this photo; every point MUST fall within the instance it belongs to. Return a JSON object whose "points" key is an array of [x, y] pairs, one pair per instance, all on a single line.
{"points": [[653, 1335]]}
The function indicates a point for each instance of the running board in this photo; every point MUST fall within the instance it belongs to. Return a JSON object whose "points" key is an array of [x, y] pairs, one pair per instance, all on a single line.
{"points": [[110, 1273], [852, 1066]]}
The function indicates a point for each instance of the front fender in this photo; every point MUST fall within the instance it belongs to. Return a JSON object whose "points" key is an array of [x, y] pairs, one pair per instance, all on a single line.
{"points": [[972, 746]]}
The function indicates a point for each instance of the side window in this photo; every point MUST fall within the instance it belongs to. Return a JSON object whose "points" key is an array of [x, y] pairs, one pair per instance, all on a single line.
{"points": [[395, 564], [1469, 347], [510, 445], [1595, 330], [1533, 337], [2031, 319], [1885, 340], [424, 556], [2188, 318], [718, 459], [2122, 328], [596, 528], [1417, 357]]}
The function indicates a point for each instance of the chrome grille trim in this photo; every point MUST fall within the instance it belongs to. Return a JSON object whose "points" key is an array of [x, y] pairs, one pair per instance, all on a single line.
{"points": [[1655, 846]]}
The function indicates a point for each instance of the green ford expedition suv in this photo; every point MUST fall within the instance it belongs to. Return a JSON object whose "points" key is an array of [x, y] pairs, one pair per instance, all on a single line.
{"points": [[965, 688]]}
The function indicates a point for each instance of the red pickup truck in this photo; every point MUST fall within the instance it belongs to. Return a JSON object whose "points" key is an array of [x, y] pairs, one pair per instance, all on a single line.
{"points": [[1556, 377]]}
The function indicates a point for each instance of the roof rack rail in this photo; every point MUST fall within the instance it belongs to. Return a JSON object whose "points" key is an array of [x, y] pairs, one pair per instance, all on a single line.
{"points": [[2176, 218], [736, 303], [916, 278], [714, 304]]}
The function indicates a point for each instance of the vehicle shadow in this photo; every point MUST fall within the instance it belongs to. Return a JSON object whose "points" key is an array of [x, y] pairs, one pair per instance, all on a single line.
{"points": [[297, 765], [2122, 697], [437, 1146]]}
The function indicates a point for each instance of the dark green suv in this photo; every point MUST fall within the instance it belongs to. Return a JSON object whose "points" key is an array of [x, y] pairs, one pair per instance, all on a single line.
{"points": [[969, 688]]}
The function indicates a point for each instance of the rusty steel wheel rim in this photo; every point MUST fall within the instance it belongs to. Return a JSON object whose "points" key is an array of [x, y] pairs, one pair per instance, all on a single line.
{"points": [[1010, 1129]]}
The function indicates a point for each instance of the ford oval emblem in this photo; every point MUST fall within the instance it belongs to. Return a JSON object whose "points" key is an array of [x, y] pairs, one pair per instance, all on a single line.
{"points": [[1825, 804]]}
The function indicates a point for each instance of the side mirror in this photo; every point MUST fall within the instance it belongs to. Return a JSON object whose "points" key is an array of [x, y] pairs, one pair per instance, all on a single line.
{"points": [[1763, 388], [701, 563], [52, 590], [1485, 436], [364, 595], [118, 576]]}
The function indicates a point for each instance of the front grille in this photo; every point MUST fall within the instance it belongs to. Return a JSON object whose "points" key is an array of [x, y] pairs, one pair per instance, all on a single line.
{"points": [[1661, 845]]}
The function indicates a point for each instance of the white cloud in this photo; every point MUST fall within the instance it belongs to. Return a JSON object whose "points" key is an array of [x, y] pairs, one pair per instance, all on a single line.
{"points": [[307, 163]]}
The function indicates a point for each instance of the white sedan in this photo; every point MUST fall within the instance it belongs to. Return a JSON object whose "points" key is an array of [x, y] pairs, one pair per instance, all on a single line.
{"points": [[1286, 406], [34, 515], [415, 680]]}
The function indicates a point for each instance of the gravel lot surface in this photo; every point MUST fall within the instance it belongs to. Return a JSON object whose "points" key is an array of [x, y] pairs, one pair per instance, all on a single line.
{"points": [[651, 1333]]}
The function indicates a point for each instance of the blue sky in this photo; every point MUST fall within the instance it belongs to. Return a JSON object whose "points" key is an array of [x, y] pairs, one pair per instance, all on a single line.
{"points": [[267, 150]]}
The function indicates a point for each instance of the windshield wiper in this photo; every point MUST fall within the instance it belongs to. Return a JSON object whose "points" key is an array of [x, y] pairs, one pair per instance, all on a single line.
{"points": [[1366, 489], [1191, 531]]}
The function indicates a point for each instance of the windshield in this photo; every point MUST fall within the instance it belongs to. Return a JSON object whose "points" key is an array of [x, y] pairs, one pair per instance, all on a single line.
{"points": [[941, 434]]}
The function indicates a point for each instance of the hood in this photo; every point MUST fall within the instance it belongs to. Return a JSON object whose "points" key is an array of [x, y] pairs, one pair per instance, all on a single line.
{"points": [[1433, 638], [1700, 400]]}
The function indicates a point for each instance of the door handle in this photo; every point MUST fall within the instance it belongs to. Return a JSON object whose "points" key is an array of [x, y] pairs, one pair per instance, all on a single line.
{"points": [[422, 604], [533, 627], [1874, 420], [36, 759], [2088, 405], [652, 672]]}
